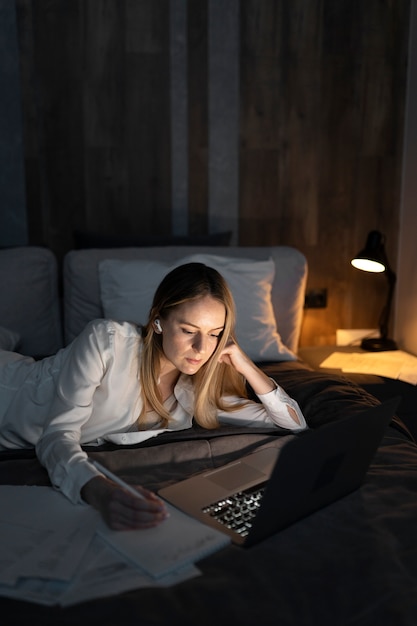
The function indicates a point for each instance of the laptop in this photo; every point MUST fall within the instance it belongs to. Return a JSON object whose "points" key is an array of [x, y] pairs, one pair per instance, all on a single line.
{"points": [[271, 488]]}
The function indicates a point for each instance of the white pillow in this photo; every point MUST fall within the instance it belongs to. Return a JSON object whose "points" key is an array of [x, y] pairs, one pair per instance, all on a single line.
{"points": [[9, 339], [127, 289]]}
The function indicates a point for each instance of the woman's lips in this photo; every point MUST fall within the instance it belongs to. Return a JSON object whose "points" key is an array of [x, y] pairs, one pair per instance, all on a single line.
{"points": [[194, 361]]}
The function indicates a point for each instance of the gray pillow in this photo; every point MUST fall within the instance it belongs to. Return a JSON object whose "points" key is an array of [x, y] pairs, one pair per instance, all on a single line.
{"points": [[127, 289], [9, 339], [29, 303]]}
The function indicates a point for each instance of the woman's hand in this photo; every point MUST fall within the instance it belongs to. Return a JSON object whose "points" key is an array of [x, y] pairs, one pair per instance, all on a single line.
{"points": [[233, 355], [120, 509], [257, 379]]}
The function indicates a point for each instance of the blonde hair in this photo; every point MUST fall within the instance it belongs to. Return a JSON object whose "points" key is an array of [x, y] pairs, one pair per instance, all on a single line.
{"points": [[214, 380]]}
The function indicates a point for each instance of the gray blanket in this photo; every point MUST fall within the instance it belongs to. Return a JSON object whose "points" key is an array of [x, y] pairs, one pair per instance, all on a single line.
{"points": [[353, 563]]}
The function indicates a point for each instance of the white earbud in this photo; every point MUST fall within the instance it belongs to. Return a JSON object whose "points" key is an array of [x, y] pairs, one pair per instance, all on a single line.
{"points": [[158, 325]]}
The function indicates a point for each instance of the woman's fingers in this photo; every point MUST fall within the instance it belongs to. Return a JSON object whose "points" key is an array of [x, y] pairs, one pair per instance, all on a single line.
{"points": [[122, 510], [127, 512]]}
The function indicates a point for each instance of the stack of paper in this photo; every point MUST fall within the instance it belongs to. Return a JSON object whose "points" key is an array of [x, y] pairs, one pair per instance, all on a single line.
{"points": [[395, 364], [54, 552]]}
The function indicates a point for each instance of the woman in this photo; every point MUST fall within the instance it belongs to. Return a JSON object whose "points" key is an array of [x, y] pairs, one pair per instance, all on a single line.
{"points": [[121, 383]]}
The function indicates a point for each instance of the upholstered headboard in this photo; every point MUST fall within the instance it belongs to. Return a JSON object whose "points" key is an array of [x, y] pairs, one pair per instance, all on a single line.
{"points": [[89, 275], [29, 303]]}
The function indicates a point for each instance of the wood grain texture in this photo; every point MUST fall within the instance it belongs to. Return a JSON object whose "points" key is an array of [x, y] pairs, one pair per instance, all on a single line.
{"points": [[322, 95], [198, 116], [322, 114]]}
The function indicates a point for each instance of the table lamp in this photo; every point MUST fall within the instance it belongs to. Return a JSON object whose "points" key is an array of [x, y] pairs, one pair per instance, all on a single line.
{"points": [[374, 259]]}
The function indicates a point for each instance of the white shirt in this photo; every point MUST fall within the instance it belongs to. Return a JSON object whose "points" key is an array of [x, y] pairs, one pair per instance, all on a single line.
{"points": [[90, 392]]}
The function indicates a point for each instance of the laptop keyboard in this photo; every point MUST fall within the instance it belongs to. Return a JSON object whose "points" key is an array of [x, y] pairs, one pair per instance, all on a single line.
{"points": [[238, 510]]}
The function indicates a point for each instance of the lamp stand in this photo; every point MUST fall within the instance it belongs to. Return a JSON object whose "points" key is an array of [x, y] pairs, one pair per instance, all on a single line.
{"points": [[382, 343]]}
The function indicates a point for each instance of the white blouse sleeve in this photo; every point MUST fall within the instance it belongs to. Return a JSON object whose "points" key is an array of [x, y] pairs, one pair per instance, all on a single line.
{"points": [[59, 449], [275, 409]]}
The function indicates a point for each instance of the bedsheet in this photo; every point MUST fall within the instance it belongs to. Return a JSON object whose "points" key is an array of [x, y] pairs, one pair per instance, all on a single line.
{"points": [[352, 563]]}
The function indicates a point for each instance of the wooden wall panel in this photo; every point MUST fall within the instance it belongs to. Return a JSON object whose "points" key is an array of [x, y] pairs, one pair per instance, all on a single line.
{"points": [[52, 117], [100, 126], [103, 83], [323, 88], [322, 93], [197, 13], [147, 123]]}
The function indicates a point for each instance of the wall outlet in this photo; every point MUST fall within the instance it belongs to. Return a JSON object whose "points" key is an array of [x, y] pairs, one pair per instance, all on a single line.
{"points": [[354, 336], [315, 299]]}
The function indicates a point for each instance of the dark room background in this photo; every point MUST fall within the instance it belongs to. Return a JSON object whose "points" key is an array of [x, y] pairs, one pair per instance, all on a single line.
{"points": [[281, 121]]}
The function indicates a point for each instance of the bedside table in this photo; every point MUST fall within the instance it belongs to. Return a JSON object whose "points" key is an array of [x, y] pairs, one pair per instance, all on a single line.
{"points": [[381, 387], [314, 355]]}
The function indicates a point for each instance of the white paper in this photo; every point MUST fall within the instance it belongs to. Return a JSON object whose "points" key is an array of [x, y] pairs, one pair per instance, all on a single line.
{"points": [[52, 554], [17, 542], [57, 557], [176, 542], [395, 364], [61, 532], [104, 573]]}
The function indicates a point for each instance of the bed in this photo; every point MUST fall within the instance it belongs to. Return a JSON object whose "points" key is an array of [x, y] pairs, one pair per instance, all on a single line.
{"points": [[353, 562]]}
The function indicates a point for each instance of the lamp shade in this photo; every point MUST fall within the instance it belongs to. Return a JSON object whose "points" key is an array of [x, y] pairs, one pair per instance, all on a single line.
{"points": [[373, 258]]}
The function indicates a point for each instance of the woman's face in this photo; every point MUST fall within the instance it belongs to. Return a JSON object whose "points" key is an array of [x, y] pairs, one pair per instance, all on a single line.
{"points": [[191, 332]]}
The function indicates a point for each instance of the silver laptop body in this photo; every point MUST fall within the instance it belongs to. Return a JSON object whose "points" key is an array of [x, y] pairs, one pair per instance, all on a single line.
{"points": [[310, 471]]}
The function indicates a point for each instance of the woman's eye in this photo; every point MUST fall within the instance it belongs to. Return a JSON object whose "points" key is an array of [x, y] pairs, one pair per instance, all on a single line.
{"points": [[195, 332]]}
